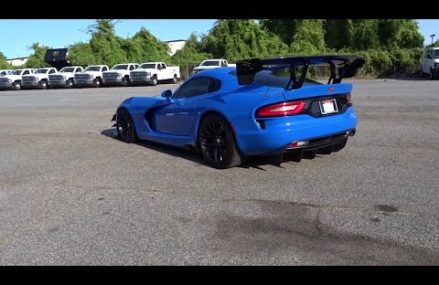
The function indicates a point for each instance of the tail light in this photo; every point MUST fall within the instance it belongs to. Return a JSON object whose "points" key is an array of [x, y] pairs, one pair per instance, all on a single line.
{"points": [[281, 109]]}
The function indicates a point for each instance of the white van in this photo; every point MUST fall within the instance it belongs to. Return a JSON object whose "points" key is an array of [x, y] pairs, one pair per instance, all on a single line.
{"points": [[430, 62]]}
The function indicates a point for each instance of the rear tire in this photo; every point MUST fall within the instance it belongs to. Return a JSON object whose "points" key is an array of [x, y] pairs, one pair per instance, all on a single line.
{"points": [[217, 144], [126, 131]]}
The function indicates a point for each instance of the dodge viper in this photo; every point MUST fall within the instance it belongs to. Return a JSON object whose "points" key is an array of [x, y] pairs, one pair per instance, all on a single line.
{"points": [[260, 107]]}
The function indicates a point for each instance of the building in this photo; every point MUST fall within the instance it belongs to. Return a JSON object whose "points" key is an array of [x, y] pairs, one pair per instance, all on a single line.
{"points": [[174, 46], [18, 61]]}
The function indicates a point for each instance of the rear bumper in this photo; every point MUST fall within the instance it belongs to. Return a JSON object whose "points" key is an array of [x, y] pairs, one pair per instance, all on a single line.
{"points": [[275, 135]]}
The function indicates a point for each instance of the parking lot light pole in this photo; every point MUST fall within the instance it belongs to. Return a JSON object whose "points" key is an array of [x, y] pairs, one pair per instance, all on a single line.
{"points": [[432, 37]]}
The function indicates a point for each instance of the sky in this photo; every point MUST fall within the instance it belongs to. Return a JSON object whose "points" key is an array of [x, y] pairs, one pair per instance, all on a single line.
{"points": [[18, 35]]}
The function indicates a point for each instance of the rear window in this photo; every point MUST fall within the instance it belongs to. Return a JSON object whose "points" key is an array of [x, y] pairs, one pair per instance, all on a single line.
{"points": [[120, 67], [42, 70], [281, 76]]}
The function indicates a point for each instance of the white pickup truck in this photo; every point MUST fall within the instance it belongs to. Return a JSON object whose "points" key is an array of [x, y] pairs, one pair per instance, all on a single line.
{"points": [[212, 63], [65, 77], [119, 74], [430, 62], [91, 76], [155, 72], [13, 79], [38, 79]]}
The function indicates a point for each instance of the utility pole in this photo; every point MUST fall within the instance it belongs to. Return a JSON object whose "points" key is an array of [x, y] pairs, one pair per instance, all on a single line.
{"points": [[432, 37]]}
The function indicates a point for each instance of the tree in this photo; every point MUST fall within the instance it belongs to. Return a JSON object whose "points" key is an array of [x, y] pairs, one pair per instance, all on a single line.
{"points": [[104, 44], [285, 28], [338, 33], [365, 34], [3, 62], [239, 39], [37, 58], [82, 54], [143, 47], [309, 37]]}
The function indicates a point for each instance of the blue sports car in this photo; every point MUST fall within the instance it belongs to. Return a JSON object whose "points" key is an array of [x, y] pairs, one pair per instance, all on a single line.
{"points": [[261, 107]]}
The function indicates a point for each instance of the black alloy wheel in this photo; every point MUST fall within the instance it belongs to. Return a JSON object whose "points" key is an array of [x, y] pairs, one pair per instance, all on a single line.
{"points": [[217, 144], [126, 130]]}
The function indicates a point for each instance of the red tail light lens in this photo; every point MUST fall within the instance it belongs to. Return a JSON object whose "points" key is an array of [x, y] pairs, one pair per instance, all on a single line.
{"points": [[281, 109]]}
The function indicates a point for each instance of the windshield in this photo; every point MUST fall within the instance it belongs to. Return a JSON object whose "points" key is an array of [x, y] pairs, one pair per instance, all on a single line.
{"points": [[41, 70], [16, 72], [67, 69], [4, 72], [122, 66], [93, 68], [148, 66], [436, 53], [210, 63]]}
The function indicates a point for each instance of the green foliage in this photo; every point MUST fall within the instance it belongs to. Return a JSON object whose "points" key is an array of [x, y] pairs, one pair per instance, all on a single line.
{"points": [[388, 46], [105, 45], [3, 63], [82, 54], [37, 58], [339, 33], [143, 47], [308, 38], [435, 44], [238, 39]]}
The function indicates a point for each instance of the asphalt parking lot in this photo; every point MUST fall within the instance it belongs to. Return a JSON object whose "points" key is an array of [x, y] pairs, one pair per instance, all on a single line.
{"points": [[70, 194]]}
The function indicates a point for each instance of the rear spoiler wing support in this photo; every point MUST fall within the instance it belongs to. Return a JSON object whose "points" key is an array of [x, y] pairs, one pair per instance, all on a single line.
{"points": [[340, 67]]}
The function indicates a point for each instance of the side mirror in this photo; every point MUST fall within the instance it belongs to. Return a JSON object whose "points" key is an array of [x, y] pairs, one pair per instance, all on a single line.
{"points": [[167, 94]]}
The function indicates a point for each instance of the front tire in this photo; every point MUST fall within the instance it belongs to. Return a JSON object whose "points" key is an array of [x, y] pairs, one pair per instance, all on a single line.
{"points": [[217, 144], [16, 85], [97, 82], [69, 83], [154, 80], [125, 81], [126, 131], [43, 84]]}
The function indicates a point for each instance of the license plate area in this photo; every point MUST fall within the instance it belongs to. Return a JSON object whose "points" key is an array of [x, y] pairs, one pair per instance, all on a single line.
{"points": [[328, 106]]}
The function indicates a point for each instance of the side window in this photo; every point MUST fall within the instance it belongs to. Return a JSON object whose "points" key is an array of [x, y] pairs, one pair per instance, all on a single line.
{"points": [[26, 72], [163, 66], [131, 67], [223, 63], [198, 86], [104, 68], [52, 71]]}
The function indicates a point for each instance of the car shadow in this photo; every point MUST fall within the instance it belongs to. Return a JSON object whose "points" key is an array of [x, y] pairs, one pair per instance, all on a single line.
{"points": [[254, 162]]}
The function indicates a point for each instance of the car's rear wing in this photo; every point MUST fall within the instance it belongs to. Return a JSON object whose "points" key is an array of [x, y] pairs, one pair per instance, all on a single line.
{"points": [[341, 66]]}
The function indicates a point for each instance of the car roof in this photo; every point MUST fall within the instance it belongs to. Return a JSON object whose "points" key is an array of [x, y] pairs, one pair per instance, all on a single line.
{"points": [[225, 74]]}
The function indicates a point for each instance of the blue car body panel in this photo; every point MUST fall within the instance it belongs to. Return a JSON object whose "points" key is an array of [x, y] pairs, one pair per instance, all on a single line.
{"points": [[175, 121]]}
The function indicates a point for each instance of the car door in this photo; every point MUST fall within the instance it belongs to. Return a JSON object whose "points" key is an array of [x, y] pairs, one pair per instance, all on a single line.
{"points": [[176, 118]]}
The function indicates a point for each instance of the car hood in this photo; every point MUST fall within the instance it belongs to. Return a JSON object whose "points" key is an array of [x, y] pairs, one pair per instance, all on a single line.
{"points": [[65, 74], [37, 75], [89, 72], [12, 76], [144, 69], [120, 71], [205, 67]]}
